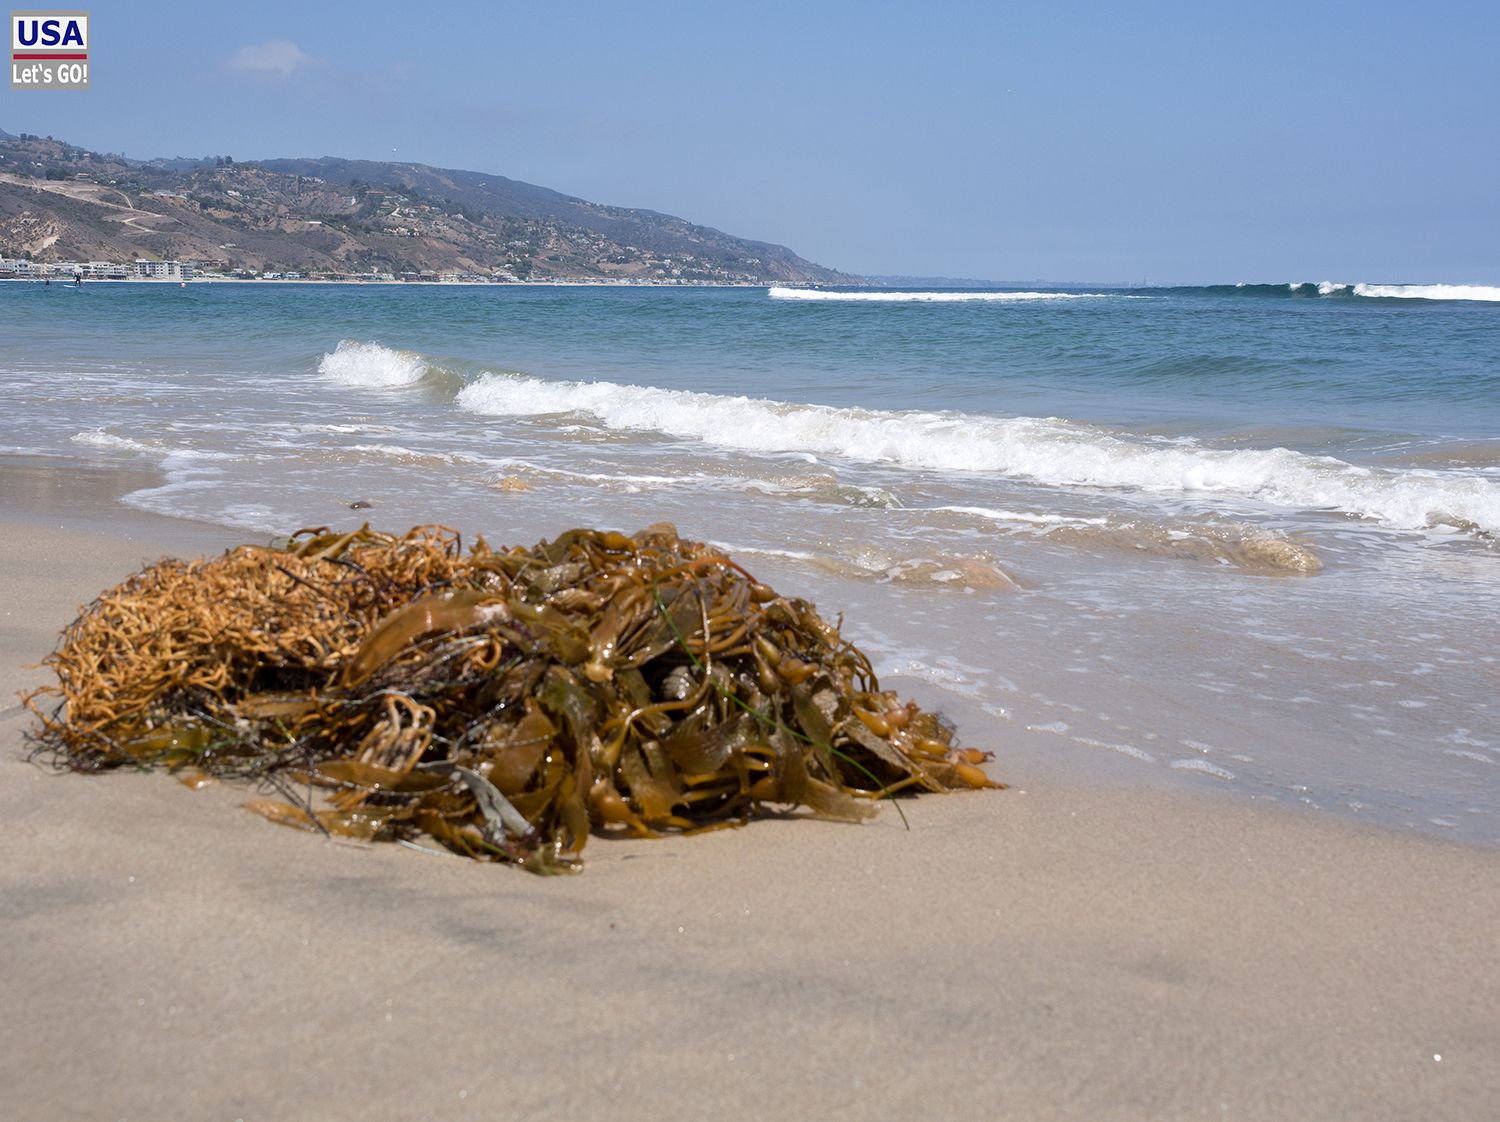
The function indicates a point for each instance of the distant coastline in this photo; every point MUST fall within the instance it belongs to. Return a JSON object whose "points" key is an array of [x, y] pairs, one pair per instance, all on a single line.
{"points": [[341, 220], [68, 279]]}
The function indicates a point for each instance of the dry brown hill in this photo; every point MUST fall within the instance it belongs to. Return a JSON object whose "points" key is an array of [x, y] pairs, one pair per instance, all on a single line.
{"points": [[61, 202]]}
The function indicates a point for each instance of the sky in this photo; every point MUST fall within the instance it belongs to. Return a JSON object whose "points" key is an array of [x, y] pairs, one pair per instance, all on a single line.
{"points": [[1147, 142]]}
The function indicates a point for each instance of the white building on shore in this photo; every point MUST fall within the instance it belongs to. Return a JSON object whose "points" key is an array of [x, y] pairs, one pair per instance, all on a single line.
{"points": [[67, 270], [165, 270]]}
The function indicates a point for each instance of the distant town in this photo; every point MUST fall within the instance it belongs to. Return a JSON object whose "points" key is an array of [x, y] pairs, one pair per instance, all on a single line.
{"points": [[143, 269]]}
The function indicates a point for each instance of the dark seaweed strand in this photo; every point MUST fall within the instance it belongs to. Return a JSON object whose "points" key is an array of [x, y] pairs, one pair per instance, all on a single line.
{"points": [[766, 720]]}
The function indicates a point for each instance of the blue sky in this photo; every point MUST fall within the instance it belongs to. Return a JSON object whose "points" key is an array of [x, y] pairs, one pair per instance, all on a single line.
{"points": [[1160, 142]]}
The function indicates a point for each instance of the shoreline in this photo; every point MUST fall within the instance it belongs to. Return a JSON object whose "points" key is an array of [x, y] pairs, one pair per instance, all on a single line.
{"points": [[78, 494], [1064, 949]]}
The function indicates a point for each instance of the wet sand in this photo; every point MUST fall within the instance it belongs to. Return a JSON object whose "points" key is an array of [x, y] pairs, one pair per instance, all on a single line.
{"points": [[1066, 949]]}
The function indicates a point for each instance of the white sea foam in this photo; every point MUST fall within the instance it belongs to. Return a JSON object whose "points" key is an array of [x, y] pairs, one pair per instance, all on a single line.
{"points": [[342, 430], [170, 456], [1045, 450], [190, 472], [1202, 766], [1403, 291], [372, 366], [1124, 749], [759, 551], [98, 438], [1430, 291], [881, 297], [1057, 728], [1325, 288], [401, 454], [1023, 516]]}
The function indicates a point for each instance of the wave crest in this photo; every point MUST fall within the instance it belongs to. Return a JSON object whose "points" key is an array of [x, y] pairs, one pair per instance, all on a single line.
{"points": [[372, 366], [1044, 450], [1429, 291], [1480, 292]]}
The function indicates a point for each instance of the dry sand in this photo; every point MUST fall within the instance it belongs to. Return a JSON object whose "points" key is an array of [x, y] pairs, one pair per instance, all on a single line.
{"points": [[1059, 950]]}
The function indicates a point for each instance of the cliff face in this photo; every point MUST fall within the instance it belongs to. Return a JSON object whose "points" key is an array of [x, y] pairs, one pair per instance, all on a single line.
{"points": [[60, 202]]}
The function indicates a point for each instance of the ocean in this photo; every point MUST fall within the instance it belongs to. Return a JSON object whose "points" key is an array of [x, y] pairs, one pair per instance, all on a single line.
{"points": [[1237, 538]]}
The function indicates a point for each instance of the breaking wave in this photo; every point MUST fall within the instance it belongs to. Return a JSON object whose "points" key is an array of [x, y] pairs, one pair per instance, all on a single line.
{"points": [[1480, 292], [1429, 291], [372, 366], [1322, 288], [1044, 450], [1327, 289], [881, 297]]}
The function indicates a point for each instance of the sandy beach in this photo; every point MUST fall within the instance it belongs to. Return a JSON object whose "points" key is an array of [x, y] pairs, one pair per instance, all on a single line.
{"points": [[1059, 950]]}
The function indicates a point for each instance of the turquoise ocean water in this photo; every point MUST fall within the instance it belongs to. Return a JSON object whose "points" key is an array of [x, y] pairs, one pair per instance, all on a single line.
{"points": [[1242, 537]]}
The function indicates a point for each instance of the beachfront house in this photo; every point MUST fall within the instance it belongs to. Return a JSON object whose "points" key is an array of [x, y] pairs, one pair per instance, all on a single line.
{"points": [[165, 270]]}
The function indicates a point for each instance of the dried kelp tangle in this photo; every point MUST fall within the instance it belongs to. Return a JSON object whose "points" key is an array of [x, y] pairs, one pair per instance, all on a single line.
{"points": [[500, 703]]}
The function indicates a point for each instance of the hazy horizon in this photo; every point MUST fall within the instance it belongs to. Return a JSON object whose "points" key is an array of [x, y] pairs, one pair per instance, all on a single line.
{"points": [[1169, 145]]}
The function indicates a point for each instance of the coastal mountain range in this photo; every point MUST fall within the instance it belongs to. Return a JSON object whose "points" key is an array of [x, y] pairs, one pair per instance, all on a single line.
{"points": [[60, 202]]}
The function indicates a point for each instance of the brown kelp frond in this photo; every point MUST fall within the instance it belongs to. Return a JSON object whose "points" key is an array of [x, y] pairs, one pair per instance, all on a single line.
{"points": [[503, 703]]}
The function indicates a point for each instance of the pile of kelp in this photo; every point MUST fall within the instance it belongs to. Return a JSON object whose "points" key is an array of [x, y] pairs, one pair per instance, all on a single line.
{"points": [[501, 703]]}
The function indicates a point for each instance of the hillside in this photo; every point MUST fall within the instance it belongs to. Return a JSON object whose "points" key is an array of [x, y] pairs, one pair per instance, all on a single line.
{"points": [[59, 202]]}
